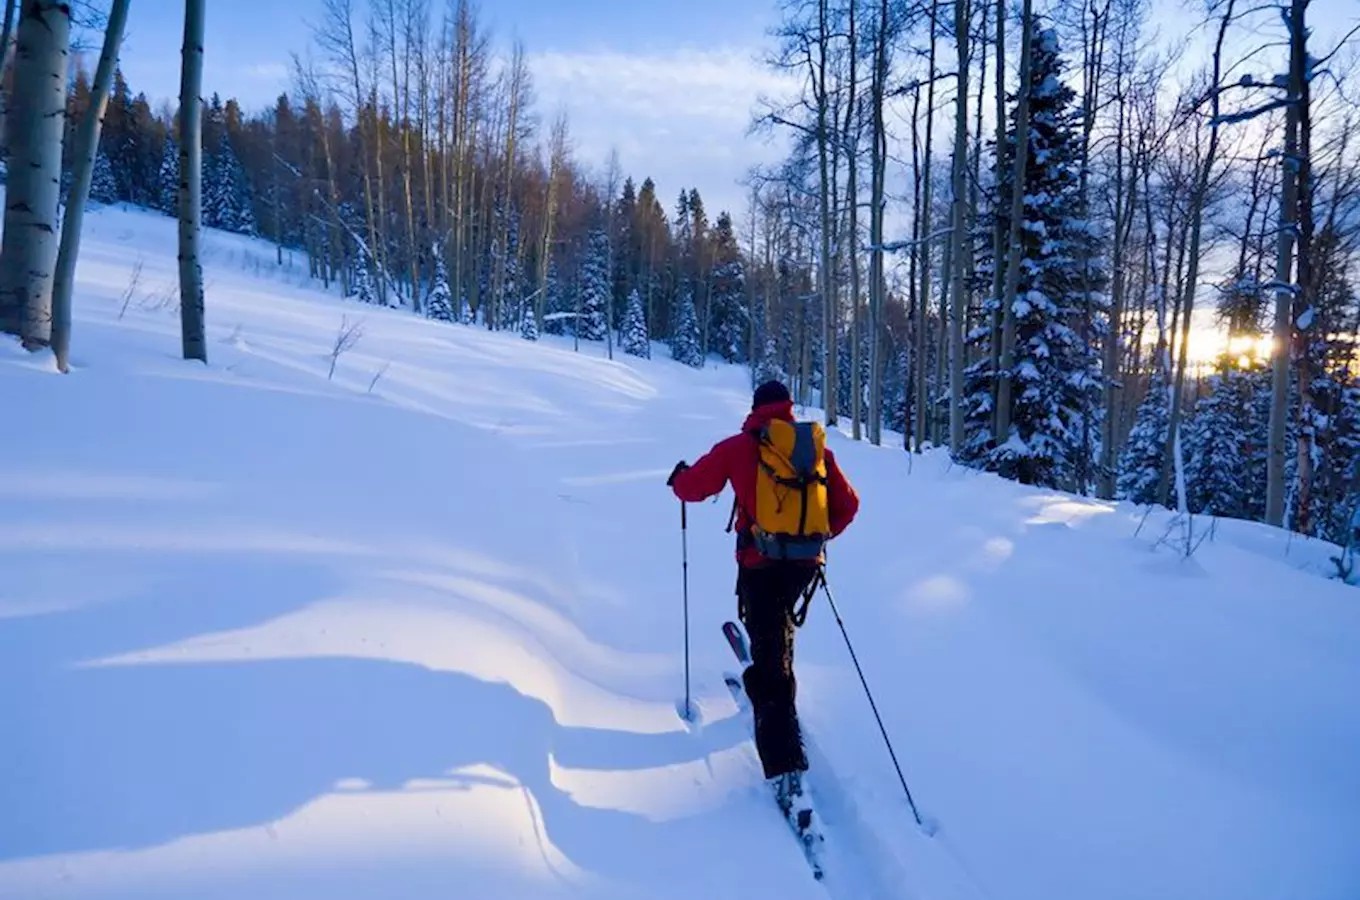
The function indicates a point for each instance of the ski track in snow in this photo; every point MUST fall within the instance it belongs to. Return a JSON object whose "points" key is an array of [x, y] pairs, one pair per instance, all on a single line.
{"points": [[414, 631]]}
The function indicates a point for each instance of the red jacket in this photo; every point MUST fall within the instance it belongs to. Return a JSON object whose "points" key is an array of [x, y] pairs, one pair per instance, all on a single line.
{"points": [[735, 460]]}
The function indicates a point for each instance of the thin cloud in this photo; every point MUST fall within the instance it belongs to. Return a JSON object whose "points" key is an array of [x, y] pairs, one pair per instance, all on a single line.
{"points": [[680, 116]]}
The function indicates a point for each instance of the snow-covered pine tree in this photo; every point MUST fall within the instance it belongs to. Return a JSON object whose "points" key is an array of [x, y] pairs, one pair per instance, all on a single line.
{"points": [[554, 303], [361, 280], [634, 340], [730, 322], [227, 202], [512, 298], [768, 368], [595, 287], [103, 186], [1216, 449], [168, 179], [439, 305], [1055, 375], [1140, 466], [685, 340], [528, 327]]}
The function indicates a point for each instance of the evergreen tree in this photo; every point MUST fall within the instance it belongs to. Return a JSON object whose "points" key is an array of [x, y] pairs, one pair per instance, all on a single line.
{"points": [[634, 340], [730, 324], [528, 328], [768, 368], [167, 180], [595, 287], [1140, 467], [626, 250], [361, 279], [439, 305], [103, 186], [1055, 378], [1216, 447], [554, 302], [227, 202], [511, 293], [685, 346]]}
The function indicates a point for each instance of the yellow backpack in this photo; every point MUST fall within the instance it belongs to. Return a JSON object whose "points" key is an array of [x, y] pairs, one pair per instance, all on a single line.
{"points": [[791, 518]]}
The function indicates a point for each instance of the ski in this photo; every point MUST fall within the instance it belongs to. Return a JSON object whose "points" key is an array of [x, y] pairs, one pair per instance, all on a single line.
{"points": [[805, 826]]}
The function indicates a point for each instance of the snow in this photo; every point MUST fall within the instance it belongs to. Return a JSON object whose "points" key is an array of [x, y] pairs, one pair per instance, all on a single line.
{"points": [[276, 636]]}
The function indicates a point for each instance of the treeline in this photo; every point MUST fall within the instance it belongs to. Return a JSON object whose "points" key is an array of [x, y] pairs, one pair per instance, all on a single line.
{"points": [[425, 182], [1036, 316], [1072, 208]]}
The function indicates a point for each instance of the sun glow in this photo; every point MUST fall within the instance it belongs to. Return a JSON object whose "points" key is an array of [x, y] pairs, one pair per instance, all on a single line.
{"points": [[1207, 346]]}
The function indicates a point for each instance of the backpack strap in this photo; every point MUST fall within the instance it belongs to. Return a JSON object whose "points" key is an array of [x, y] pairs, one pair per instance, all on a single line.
{"points": [[744, 537]]}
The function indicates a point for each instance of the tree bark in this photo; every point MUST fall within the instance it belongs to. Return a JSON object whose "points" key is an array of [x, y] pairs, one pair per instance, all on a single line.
{"points": [[923, 248], [959, 222], [852, 133], [878, 176], [195, 344], [826, 276], [87, 145], [1003, 393], [999, 226], [1284, 297], [6, 32], [28, 252], [1304, 317]]}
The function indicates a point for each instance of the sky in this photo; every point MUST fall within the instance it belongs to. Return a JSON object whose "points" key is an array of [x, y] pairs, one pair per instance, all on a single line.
{"points": [[670, 85]]}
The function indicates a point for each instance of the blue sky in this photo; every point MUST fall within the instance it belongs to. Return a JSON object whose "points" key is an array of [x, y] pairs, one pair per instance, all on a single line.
{"points": [[669, 84]]}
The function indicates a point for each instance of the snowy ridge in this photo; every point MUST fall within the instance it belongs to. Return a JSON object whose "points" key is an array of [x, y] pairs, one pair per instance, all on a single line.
{"points": [[414, 630]]}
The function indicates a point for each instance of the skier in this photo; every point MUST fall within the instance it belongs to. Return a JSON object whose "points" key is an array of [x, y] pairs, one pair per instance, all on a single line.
{"points": [[774, 568]]}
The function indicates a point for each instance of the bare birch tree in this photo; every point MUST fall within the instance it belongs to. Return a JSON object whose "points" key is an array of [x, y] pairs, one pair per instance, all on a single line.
{"points": [[191, 312], [87, 145], [959, 224], [28, 253]]}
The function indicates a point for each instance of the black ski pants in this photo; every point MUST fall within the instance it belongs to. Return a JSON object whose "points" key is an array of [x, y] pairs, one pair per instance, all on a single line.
{"points": [[766, 597]]}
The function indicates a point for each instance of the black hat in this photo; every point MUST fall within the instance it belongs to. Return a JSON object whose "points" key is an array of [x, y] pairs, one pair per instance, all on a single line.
{"points": [[770, 392]]}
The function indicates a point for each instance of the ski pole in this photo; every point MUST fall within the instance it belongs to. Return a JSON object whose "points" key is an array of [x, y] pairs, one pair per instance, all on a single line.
{"points": [[684, 569], [872, 705]]}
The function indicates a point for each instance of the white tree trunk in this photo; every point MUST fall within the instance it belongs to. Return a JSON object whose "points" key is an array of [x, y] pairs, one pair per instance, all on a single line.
{"points": [[191, 183], [1284, 278], [37, 123], [6, 32], [87, 145]]}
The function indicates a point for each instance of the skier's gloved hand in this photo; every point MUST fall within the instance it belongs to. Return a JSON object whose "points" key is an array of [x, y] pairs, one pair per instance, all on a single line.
{"points": [[679, 467]]}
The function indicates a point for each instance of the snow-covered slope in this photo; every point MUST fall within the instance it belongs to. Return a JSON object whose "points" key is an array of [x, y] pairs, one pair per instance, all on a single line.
{"points": [[415, 631]]}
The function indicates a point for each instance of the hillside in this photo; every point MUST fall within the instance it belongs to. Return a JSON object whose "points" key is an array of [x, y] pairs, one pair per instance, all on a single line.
{"points": [[415, 631]]}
